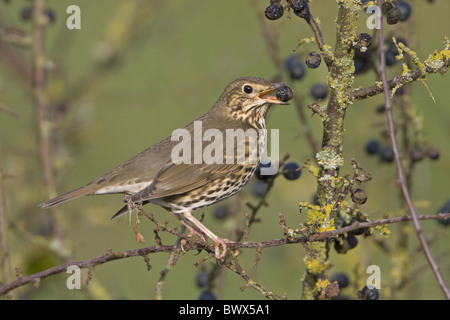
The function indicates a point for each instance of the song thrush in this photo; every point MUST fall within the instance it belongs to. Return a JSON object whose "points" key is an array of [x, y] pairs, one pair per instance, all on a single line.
{"points": [[153, 176]]}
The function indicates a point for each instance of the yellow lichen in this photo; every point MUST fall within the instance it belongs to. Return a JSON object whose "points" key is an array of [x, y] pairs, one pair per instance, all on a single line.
{"points": [[315, 266], [322, 284], [313, 169], [383, 229], [437, 60]]}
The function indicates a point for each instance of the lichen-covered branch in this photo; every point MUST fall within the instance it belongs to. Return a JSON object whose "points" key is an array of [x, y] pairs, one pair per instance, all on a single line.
{"points": [[441, 60], [340, 81]]}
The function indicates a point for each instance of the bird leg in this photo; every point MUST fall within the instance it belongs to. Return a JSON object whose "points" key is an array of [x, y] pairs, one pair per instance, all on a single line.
{"points": [[216, 240], [192, 230]]}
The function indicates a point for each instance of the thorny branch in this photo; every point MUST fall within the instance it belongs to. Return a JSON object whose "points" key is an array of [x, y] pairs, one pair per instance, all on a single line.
{"points": [[189, 246]]}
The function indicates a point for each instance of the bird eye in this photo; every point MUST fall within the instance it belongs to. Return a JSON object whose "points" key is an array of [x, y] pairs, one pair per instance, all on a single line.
{"points": [[248, 89]]}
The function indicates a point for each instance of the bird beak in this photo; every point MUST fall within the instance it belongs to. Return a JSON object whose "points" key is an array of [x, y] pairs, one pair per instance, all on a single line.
{"points": [[268, 96]]}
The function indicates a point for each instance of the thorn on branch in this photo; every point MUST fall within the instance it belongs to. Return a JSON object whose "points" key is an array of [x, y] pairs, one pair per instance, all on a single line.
{"points": [[288, 232], [246, 227], [258, 253], [317, 109]]}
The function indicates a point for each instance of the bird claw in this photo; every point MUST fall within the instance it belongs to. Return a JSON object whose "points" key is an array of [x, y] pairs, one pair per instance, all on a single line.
{"points": [[221, 242]]}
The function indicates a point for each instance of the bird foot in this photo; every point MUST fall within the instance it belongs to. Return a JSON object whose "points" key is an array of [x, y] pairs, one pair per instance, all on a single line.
{"points": [[220, 242]]}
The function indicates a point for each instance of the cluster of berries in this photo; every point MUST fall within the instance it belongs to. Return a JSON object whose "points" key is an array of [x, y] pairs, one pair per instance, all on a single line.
{"points": [[275, 10], [27, 14], [386, 153], [366, 293]]}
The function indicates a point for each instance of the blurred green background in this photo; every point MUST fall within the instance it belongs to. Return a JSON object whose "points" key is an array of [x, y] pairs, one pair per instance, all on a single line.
{"points": [[136, 71]]}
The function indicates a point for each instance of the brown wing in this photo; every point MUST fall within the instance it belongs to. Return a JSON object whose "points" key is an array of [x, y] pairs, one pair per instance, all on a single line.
{"points": [[180, 178]]}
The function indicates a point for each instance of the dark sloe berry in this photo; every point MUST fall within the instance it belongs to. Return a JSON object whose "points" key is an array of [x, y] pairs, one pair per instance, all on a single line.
{"points": [[301, 8], [313, 60], [386, 154], [359, 196], [291, 171], [295, 67], [51, 15], [417, 154], [284, 93], [367, 293], [352, 241], [26, 13], [372, 146], [393, 15], [362, 61], [392, 51], [390, 58], [405, 9], [207, 295], [319, 91], [380, 109], [432, 153], [341, 279], [274, 11]]}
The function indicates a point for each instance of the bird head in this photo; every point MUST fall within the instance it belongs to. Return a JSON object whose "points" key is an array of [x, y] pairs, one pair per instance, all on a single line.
{"points": [[250, 97]]}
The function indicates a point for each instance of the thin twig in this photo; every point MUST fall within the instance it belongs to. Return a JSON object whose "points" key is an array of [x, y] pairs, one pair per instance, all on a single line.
{"points": [[320, 42], [5, 262], [300, 106], [163, 274], [40, 106], [234, 266], [400, 173]]}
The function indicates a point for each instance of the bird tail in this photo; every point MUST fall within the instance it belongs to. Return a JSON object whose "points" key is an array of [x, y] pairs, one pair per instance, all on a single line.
{"points": [[126, 210], [74, 194], [120, 212]]}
